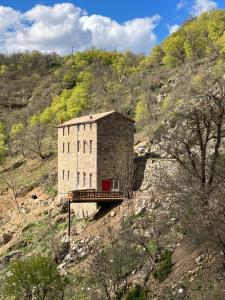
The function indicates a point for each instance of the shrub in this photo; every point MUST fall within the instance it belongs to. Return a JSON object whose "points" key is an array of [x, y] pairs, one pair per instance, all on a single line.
{"points": [[163, 268], [137, 293]]}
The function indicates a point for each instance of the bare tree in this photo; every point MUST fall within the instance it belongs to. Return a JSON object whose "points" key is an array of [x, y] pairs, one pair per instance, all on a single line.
{"points": [[194, 137], [195, 133], [124, 166], [8, 178], [112, 266], [35, 139]]}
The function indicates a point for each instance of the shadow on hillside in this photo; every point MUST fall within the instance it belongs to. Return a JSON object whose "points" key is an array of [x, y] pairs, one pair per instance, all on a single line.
{"points": [[139, 168], [15, 166], [104, 210]]}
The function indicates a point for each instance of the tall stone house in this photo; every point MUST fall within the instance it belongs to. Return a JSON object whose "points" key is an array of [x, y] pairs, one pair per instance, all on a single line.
{"points": [[95, 152]]}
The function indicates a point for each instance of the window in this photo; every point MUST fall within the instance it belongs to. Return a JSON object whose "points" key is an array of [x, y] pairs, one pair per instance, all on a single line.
{"points": [[63, 147], [78, 146], [63, 131], [90, 146], [68, 130], [84, 126], [68, 147], [115, 186], [84, 179], [78, 178], [78, 127], [90, 180], [63, 174], [90, 126], [84, 145], [68, 175]]}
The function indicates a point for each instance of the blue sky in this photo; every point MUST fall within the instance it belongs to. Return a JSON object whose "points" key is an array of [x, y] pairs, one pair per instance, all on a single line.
{"points": [[135, 25]]}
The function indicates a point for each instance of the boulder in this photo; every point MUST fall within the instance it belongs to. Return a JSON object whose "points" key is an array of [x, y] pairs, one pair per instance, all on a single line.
{"points": [[5, 261], [112, 214], [25, 210], [199, 259], [6, 237]]}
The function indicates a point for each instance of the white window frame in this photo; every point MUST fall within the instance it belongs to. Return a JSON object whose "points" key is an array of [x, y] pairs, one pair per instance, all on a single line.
{"points": [[115, 185]]}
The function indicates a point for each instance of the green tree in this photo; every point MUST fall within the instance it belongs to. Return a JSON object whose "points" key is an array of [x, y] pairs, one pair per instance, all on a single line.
{"points": [[36, 278], [3, 146], [18, 137], [4, 70], [174, 50]]}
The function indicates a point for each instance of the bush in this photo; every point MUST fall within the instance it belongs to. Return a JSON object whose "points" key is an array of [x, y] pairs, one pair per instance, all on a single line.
{"points": [[163, 268], [33, 278], [137, 293]]}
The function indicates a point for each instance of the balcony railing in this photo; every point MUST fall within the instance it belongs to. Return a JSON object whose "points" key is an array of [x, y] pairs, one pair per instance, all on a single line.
{"points": [[93, 196]]}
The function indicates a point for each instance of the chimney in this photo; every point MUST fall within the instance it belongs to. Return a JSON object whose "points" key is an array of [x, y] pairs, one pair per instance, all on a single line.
{"points": [[91, 117]]}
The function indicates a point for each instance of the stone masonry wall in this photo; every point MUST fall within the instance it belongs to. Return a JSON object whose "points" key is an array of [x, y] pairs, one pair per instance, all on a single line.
{"points": [[115, 135], [74, 161]]}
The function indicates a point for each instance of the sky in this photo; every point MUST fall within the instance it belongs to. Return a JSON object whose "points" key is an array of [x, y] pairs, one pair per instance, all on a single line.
{"points": [[135, 25]]}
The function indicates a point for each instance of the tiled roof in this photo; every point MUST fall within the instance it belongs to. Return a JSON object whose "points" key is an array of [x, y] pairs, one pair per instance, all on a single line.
{"points": [[88, 119]]}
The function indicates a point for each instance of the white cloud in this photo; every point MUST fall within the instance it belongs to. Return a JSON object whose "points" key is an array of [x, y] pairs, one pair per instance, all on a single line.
{"points": [[9, 20], [136, 34], [173, 28], [59, 27], [201, 6], [182, 4]]}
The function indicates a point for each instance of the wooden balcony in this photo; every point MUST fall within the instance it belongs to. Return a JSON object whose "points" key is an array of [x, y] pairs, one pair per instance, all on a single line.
{"points": [[90, 196]]}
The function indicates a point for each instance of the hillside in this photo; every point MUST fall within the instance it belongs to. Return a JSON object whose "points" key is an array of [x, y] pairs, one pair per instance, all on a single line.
{"points": [[172, 232]]}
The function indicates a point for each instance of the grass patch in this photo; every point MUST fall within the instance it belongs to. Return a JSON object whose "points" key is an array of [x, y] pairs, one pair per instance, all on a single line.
{"points": [[31, 175], [38, 236], [134, 217], [152, 247]]}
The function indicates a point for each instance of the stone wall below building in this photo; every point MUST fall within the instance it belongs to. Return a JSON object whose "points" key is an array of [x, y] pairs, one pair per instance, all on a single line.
{"points": [[150, 172], [84, 210]]}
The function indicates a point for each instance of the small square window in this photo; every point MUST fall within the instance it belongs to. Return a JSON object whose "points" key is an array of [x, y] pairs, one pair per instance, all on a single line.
{"points": [[78, 146], [84, 146], [68, 175], [63, 148], [68, 130], [63, 174], [63, 131]]}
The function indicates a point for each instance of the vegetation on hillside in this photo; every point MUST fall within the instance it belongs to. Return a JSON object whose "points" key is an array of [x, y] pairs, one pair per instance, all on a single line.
{"points": [[176, 95]]}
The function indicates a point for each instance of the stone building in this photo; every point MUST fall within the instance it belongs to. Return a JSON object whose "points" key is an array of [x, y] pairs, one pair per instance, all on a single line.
{"points": [[95, 152]]}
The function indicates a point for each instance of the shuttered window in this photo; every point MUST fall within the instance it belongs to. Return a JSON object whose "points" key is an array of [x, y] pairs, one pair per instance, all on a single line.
{"points": [[91, 142], [68, 146], [78, 178], [84, 179], [90, 180]]}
